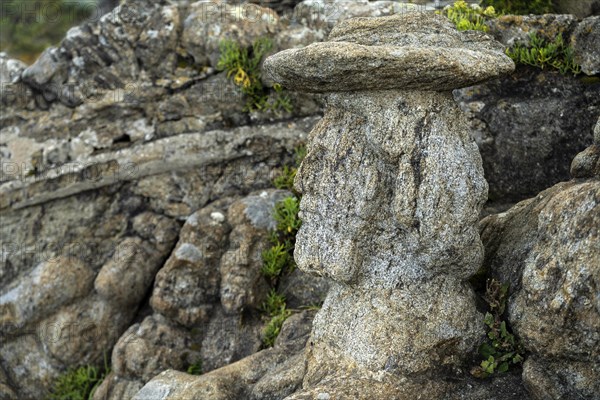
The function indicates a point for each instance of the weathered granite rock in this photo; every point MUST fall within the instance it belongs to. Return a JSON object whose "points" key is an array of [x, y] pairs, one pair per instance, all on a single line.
{"points": [[42, 293], [548, 249], [579, 8], [585, 45], [587, 163], [13, 91], [392, 186], [187, 286], [205, 299], [528, 127], [301, 289], [531, 124], [147, 348], [96, 58], [65, 321], [243, 286], [361, 53], [141, 42], [583, 35], [208, 157], [130, 70], [203, 271], [515, 29], [95, 221], [245, 379], [6, 392], [325, 14]]}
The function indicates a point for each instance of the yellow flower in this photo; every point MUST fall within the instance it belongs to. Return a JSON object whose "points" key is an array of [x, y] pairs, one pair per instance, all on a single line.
{"points": [[489, 11], [241, 78], [461, 4]]}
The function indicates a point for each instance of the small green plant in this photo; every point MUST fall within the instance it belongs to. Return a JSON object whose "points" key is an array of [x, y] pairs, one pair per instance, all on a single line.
{"points": [[543, 54], [468, 17], [195, 368], [521, 7], [286, 179], [273, 328], [79, 383], [275, 260], [300, 154], [279, 258], [273, 303], [286, 215], [243, 66], [502, 348]]}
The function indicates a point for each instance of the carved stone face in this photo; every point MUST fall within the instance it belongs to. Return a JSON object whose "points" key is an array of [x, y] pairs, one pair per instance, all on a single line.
{"points": [[372, 210]]}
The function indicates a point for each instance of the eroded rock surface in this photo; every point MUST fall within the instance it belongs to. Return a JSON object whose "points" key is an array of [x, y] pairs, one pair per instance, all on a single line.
{"points": [[548, 249], [585, 44], [269, 374], [115, 138], [530, 125], [525, 147], [392, 186], [120, 234], [205, 309]]}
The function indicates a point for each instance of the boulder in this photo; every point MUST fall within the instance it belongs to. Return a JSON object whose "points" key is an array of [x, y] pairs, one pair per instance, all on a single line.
{"points": [[579, 8], [515, 29], [107, 228], [531, 124], [528, 127], [585, 44], [548, 249], [206, 299], [371, 50], [209, 23], [269, 374]]}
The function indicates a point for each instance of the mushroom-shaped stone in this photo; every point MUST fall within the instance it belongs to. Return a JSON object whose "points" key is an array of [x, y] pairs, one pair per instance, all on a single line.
{"points": [[416, 50], [392, 190]]}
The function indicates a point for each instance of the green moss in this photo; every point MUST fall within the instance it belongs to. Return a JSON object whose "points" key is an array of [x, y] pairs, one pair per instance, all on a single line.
{"points": [[502, 350], [543, 54], [243, 67], [521, 7]]}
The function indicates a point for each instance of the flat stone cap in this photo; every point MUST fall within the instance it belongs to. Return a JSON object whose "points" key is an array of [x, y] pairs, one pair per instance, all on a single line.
{"points": [[411, 51]]}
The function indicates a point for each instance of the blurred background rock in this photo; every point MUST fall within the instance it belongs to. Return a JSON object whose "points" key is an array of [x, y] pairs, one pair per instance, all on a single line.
{"points": [[29, 26]]}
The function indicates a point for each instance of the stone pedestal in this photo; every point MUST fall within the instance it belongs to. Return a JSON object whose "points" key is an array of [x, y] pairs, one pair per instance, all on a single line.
{"points": [[392, 189]]}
